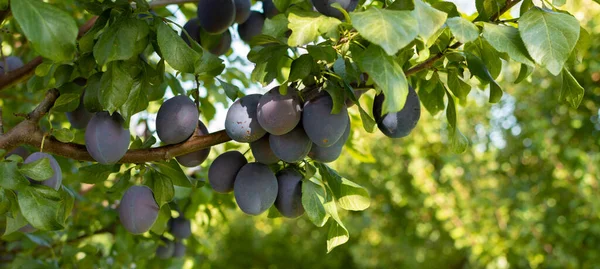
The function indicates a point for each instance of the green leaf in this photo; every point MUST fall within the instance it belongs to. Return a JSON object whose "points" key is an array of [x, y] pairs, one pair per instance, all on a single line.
{"points": [[463, 29], [161, 186], [307, 26], [10, 178], [282, 5], [431, 94], [524, 72], [14, 220], [66, 102], [430, 20], [209, 64], [324, 53], [91, 97], [338, 234], [457, 86], [96, 173], [52, 31], [121, 40], [559, 3], [349, 195], [138, 98], [458, 142], [487, 8], [507, 39], [115, 86], [68, 201], [276, 26], [39, 170], [571, 90], [40, 206], [161, 224], [388, 77], [367, 121], [5, 203], [232, 91], [478, 68], [313, 197], [175, 51], [549, 37], [301, 67], [390, 29], [63, 135], [172, 170]]}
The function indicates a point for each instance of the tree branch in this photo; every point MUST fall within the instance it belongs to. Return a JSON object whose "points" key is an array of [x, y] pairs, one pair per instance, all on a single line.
{"points": [[159, 3]]}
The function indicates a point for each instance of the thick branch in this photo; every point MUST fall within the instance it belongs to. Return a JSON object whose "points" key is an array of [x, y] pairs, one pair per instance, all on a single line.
{"points": [[160, 3]]}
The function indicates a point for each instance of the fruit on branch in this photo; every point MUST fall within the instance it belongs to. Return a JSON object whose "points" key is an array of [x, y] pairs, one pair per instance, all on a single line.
{"points": [[138, 210], [193, 28], [269, 8], [180, 227], [80, 117], [195, 158], [21, 151], [261, 149], [166, 250], [401, 123], [12, 63], [329, 154], [252, 26], [291, 147], [224, 169], [323, 127], [179, 250], [105, 138], [216, 16], [242, 10], [241, 123], [224, 44], [176, 120], [56, 179], [324, 7], [255, 188], [289, 194], [279, 114]]}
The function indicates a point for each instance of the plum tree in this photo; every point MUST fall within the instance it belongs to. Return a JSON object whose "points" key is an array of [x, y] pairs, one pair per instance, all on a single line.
{"points": [[56, 179], [224, 169], [278, 114], [261, 149], [291, 147], [80, 117], [138, 210], [176, 120], [105, 138], [289, 194], [166, 249], [255, 188], [180, 227], [269, 8], [401, 123], [179, 249], [325, 8], [10, 63], [252, 26], [197, 157], [329, 154], [242, 10], [323, 127], [216, 16], [241, 123]]}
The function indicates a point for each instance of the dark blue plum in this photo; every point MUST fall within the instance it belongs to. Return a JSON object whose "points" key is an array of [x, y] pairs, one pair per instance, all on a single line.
{"points": [[179, 250], [192, 27], [251, 27], [21, 151], [291, 147], [255, 188], [289, 194], [261, 149], [329, 154], [325, 8], [322, 127], [269, 8], [241, 123], [216, 16], [165, 250], [224, 169], [180, 227], [195, 158], [138, 210], [56, 179], [401, 123], [176, 120], [279, 114], [105, 138], [12, 63], [242, 10], [80, 117]]}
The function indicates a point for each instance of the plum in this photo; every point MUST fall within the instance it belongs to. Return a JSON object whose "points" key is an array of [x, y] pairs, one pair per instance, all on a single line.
{"points": [[241, 123], [401, 123], [176, 120], [223, 171], [56, 179], [195, 158], [138, 210], [105, 138], [279, 114], [255, 188]]}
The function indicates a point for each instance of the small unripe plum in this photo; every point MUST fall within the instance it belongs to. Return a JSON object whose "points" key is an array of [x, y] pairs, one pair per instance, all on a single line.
{"points": [[224, 169], [216, 15], [166, 250], [241, 123], [242, 10], [12, 63], [329, 154], [80, 117], [269, 8], [179, 250], [195, 158], [321, 126], [279, 114], [56, 179], [105, 138], [261, 149], [291, 147], [176, 120], [138, 210], [325, 8], [401, 123], [255, 188], [289, 194], [180, 227], [252, 26]]}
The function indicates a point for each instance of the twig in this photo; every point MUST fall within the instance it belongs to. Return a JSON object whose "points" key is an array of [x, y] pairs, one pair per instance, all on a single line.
{"points": [[1, 122]]}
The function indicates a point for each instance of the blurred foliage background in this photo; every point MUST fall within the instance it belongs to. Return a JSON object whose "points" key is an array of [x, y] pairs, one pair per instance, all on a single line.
{"points": [[524, 195]]}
